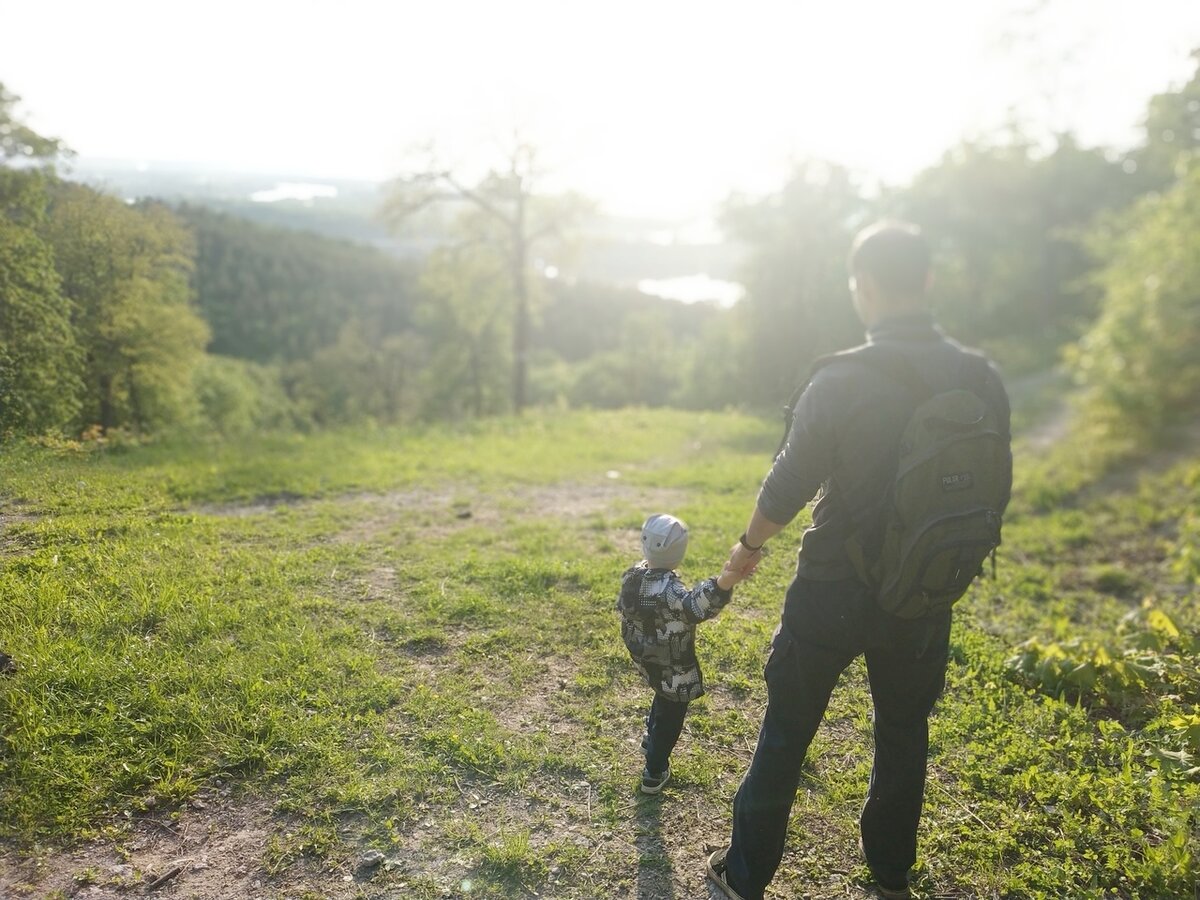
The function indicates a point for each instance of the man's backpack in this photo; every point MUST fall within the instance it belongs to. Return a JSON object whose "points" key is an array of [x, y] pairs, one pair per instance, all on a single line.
{"points": [[940, 517]]}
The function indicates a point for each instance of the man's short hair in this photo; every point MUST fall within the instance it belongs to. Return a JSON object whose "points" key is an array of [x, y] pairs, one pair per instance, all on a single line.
{"points": [[895, 254]]}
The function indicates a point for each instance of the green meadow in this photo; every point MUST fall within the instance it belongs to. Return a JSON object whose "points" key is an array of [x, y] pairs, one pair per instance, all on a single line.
{"points": [[404, 641]]}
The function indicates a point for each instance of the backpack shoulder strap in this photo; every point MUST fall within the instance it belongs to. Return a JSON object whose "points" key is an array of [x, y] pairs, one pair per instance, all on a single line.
{"points": [[974, 371], [789, 409]]}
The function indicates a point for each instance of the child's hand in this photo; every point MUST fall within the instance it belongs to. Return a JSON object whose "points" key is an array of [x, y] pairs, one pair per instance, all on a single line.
{"points": [[730, 576]]}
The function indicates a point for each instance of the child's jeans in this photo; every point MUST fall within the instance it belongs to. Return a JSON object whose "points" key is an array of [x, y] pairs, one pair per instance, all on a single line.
{"points": [[663, 728]]}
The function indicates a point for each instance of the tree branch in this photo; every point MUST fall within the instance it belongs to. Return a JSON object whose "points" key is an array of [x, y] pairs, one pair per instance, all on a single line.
{"points": [[475, 197]]}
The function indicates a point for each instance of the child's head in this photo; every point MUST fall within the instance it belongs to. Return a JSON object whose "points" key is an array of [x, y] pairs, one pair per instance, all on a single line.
{"points": [[664, 541]]}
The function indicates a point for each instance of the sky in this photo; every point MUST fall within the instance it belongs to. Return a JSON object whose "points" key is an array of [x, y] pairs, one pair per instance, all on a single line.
{"points": [[652, 107]]}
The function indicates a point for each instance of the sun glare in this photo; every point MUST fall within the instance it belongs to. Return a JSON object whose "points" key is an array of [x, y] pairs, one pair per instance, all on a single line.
{"points": [[651, 108]]}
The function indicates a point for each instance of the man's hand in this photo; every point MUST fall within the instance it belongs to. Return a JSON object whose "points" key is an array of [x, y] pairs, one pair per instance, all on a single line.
{"points": [[743, 560], [733, 572]]}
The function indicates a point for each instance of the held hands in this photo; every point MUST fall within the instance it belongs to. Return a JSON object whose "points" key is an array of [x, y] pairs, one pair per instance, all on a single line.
{"points": [[744, 560], [741, 565]]}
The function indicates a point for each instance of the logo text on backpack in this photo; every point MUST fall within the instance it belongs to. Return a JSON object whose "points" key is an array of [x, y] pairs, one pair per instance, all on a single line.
{"points": [[959, 481]]}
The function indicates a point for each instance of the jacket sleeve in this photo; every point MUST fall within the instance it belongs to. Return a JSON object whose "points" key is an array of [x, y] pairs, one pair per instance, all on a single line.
{"points": [[807, 456], [701, 603]]}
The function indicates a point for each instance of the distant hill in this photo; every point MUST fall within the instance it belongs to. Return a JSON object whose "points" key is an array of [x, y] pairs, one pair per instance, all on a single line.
{"points": [[617, 250], [271, 294]]}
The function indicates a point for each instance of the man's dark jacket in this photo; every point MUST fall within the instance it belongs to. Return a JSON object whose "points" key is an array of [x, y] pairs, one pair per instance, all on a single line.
{"points": [[846, 433]]}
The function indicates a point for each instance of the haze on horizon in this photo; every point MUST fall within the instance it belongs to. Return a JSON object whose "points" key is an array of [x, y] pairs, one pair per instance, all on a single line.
{"points": [[653, 110]]}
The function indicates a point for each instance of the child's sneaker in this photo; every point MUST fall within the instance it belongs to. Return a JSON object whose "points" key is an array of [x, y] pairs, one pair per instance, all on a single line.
{"points": [[652, 784]]}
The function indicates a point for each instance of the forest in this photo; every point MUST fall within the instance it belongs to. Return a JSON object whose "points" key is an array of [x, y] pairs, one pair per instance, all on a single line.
{"points": [[141, 319]]}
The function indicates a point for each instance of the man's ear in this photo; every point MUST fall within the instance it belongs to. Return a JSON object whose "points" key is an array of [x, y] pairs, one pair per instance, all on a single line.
{"points": [[868, 290], [929, 282]]}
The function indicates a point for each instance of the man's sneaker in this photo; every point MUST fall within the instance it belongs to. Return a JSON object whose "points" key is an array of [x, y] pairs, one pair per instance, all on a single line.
{"points": [[888, 893], [718, 874], [652, 784], [8, 666]]}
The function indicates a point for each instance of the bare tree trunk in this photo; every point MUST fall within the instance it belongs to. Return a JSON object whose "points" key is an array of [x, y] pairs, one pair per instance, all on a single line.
{"points": [[476, 380], [108, 413], [505, 198], [521, 313], [135, 405]]}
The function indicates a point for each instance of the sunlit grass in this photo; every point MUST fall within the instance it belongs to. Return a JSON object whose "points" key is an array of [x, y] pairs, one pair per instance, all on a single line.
{"points": [[382, 630]]}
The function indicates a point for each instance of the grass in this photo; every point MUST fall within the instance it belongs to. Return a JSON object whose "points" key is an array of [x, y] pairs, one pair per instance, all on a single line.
{"points": [[406, 642]]}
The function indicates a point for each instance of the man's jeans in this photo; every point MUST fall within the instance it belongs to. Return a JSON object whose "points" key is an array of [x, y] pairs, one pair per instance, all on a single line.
{"points": [[825, 626]]}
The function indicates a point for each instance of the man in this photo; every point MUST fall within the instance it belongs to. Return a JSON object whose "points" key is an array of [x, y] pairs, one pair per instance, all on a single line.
{"points": [[844, 441]]}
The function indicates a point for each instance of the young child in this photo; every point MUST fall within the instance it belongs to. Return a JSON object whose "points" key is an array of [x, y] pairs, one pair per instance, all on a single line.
{"points": [[658, 624]]}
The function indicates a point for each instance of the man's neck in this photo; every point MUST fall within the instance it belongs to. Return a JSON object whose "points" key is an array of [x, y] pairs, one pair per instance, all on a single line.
{"points": [[906, 313], [917, 319]]}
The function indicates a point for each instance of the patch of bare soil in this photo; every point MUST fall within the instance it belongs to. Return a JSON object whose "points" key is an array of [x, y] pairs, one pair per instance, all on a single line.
{"points": [[439, 513], [255, 507], [1051, 429], [218, 846], [12, 513], [214, 850], [566, 499], [1177, 444]]}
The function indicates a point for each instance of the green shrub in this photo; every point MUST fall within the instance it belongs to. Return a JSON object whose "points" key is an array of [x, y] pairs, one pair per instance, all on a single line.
{"points": [[1138, 359], [237, 397]]}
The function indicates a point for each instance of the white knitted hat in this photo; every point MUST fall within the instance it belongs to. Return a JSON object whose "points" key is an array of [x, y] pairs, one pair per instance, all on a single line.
{"points": [[664, 541]]}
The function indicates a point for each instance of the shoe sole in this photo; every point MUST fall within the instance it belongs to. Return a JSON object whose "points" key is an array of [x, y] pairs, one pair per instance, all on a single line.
{"points": [[716, 868], [885, 893], [655, 788]]}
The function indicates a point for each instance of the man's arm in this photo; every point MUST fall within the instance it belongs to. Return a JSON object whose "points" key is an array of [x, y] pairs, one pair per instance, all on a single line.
{"points": [[748, 550], [796, 474]]}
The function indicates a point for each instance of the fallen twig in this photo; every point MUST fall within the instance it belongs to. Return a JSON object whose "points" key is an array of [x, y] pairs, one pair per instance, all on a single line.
{"points": [[163, 879]]}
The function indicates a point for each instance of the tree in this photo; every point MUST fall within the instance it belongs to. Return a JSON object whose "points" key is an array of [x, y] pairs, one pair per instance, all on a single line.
{"points": [[237, 397], [19, 141], [466, 296], [1005, 224], [362, 376], [275, 295], [1139, 358], [125, 269], [39, 360], [1172, 133], [797, 303], [505, 210]]}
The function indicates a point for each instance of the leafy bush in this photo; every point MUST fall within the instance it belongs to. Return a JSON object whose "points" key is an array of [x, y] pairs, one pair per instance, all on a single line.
{"points": [[1185, 552], [362, 377], [1149, 678], [1138, 359], [237, 397], [1186, 563]]}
